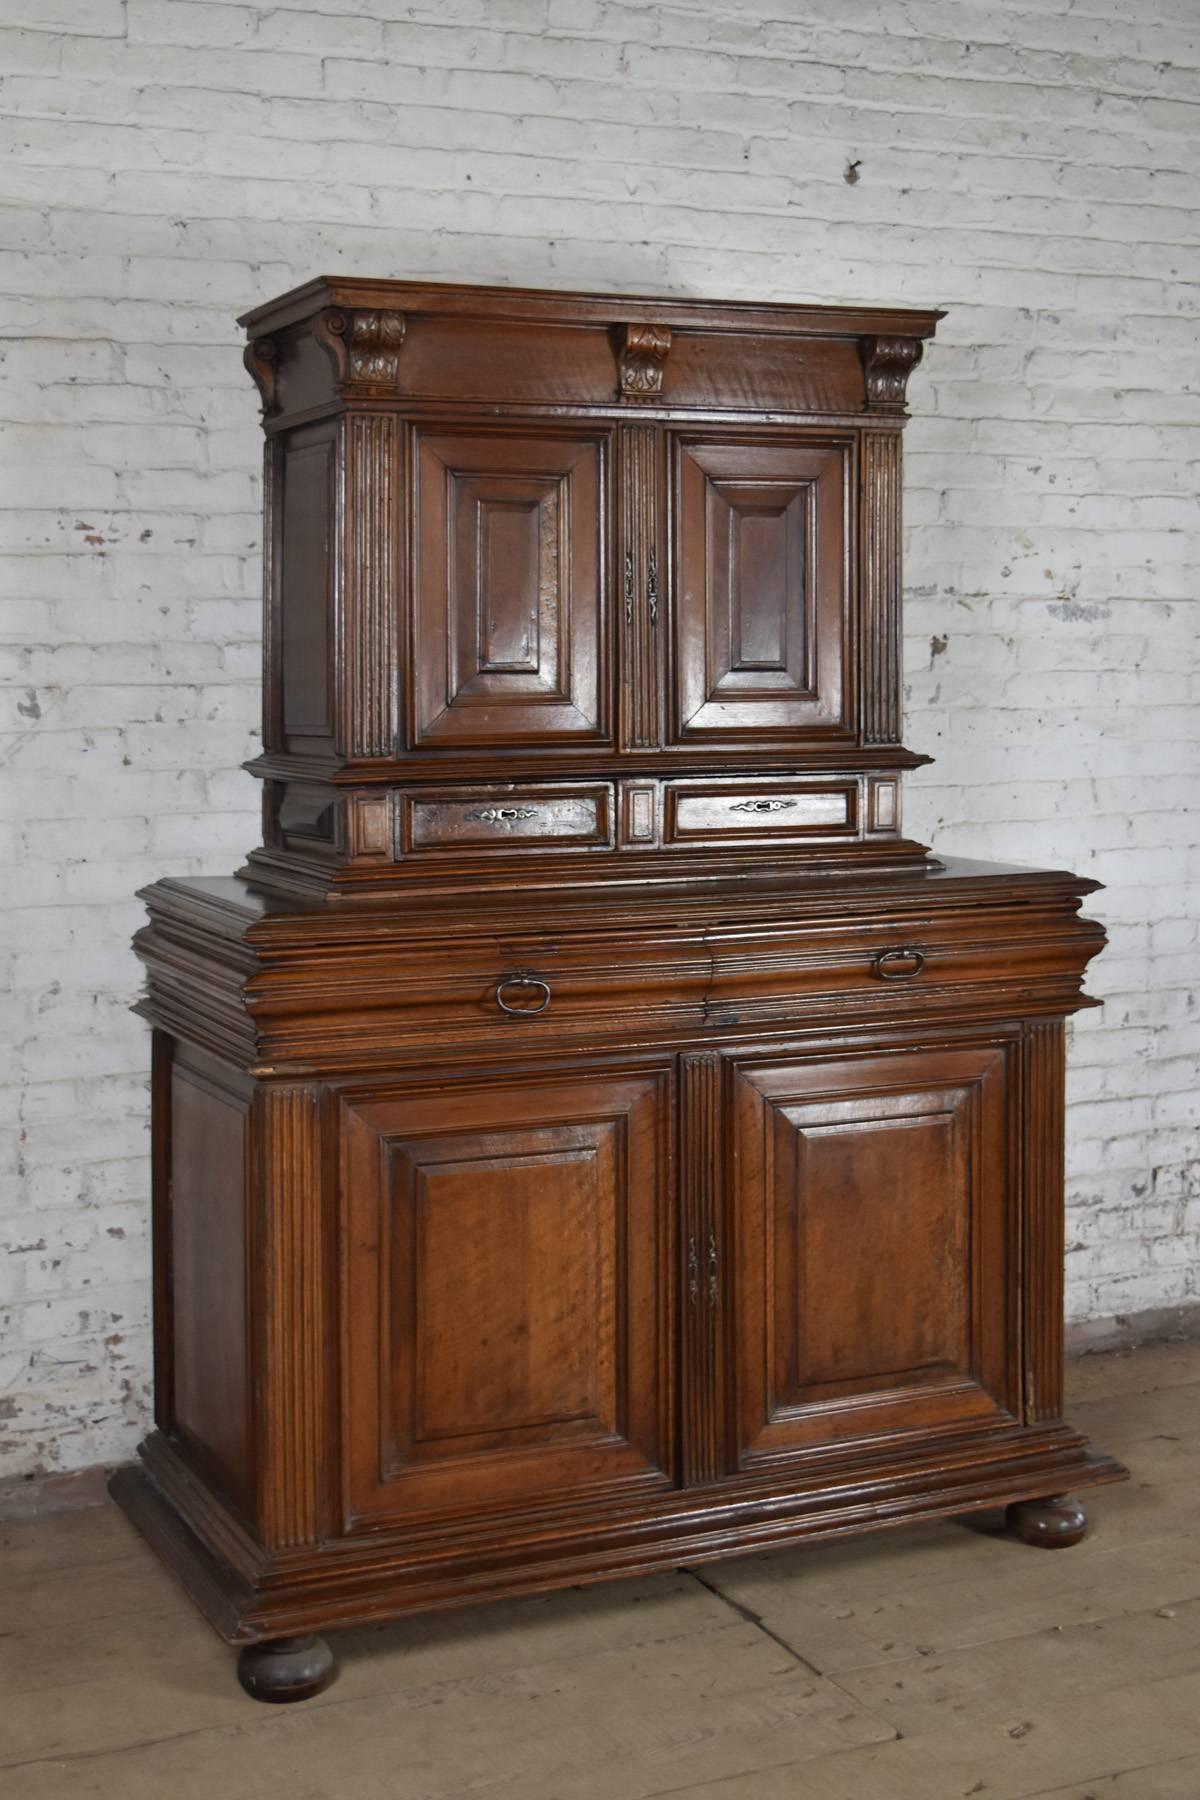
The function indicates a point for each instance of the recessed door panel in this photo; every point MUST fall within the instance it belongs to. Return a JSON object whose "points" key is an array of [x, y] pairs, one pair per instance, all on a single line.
{"points": [[508, 629], [875, 1230], [509, 1292], [761, 628]]}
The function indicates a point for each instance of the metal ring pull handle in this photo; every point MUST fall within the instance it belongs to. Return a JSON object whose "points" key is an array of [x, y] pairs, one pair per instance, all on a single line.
{"points": [[522, 980], [899, 965]]}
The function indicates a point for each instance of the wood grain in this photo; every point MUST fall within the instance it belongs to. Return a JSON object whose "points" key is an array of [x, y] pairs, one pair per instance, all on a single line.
{"points": [[295, 1329], [705, 1273], [881, 587], [1044, 1119]]}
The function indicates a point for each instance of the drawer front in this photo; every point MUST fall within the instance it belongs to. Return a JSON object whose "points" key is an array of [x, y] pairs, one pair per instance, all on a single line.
{"points": [[729, 812], [665, 983], [659, 983], [479, 820]]}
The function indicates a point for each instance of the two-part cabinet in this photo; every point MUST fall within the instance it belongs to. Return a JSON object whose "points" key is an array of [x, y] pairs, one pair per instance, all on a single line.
{"points": [[588, 1137]]}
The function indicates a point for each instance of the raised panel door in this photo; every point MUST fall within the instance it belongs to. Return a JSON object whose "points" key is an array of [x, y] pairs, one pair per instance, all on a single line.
{"points": [[875, 1229], [509, 613], [508, 1300], [761, 591]]}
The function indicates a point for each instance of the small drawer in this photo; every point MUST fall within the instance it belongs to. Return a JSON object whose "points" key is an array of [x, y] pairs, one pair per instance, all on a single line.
{"points": [[498, 819], [724, 812]]}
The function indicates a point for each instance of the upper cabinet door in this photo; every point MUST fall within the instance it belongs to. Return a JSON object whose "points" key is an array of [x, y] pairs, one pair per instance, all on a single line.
{"points": [[509, 633], [762, 645]]}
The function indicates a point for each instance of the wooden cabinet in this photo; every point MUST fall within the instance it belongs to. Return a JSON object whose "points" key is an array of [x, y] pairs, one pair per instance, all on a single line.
{"points": [[519, 538], [589, 1138]]}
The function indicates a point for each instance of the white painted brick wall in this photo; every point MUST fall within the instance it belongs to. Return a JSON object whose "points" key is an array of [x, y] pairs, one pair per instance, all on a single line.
{"points": [[166, 163]]}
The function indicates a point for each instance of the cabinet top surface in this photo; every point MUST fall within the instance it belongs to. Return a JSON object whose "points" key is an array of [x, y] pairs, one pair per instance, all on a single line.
{"points": [[793, 895], [562, 306]]}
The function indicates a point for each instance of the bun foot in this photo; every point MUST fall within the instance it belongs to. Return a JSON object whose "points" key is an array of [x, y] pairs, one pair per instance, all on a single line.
{"points": [[1053, 1524], [284, 1669]]}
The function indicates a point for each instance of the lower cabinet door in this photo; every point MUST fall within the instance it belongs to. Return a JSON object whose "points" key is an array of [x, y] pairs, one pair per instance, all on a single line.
{"points": [[507, 1291], [874, 1236]]}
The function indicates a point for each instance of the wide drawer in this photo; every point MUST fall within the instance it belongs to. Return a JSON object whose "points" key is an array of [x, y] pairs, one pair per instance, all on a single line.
{"points": [[475, 820], [327, 987], [649, 986]]}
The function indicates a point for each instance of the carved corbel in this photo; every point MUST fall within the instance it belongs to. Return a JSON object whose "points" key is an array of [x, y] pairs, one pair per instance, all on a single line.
{"points": [[888, 363], [364, 348], [261, 357], [642, 361]]}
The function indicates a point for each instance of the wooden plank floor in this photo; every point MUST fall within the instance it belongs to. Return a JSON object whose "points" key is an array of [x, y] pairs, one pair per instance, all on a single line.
{"points": [[930, 1664]]}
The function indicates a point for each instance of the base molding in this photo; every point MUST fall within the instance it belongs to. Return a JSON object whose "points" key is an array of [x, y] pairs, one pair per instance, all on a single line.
{"points": [[390, 1574]]}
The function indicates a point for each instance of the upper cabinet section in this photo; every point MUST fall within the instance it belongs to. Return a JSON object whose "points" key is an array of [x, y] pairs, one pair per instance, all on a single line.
{"points": [[523, 539], [420, 342]]}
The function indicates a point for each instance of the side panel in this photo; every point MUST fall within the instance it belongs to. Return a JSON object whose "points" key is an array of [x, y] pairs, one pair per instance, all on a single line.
{"points": [[203, 1336], [303, 571]]}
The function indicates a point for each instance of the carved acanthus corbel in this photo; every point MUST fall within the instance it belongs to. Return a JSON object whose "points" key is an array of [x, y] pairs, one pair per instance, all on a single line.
{"points": [[888, 362], [643, 361], [364, 348], [261, 357]]}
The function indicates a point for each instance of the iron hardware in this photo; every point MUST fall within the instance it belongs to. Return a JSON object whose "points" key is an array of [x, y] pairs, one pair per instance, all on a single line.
{"points": [[520, 979]]}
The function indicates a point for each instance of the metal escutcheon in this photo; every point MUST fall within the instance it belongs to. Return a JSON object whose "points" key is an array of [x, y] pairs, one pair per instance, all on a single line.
{"points": [[522, 980], [899, 965]]}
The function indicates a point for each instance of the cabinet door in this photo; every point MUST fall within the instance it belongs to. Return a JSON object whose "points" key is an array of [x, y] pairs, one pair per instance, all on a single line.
{"points": [[508, 1302], [875, 1234], [509, 626], [761, 589]]}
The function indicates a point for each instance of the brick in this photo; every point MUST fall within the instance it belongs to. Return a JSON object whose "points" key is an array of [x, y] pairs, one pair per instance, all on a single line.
{"points": [[81, 18]]}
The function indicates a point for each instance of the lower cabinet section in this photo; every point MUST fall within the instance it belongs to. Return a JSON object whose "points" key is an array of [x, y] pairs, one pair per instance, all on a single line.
{"points": [[601, 1281], [509, 1287], [441, 1319]]}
